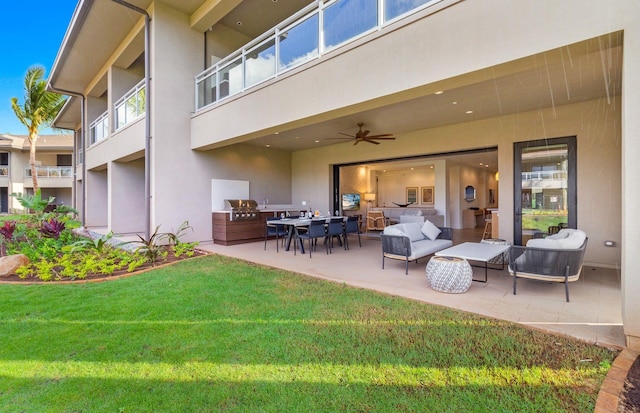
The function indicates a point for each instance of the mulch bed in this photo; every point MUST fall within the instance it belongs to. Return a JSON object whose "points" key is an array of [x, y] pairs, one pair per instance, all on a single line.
{"points": [[629, 401], [15, 279]]}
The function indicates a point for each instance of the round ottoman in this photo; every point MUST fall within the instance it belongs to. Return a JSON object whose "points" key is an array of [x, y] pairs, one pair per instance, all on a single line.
{"points": [[501, 259], [449, 275]]}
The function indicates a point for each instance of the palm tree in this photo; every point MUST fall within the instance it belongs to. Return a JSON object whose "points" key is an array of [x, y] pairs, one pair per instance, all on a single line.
{"points": [[39, 111]]}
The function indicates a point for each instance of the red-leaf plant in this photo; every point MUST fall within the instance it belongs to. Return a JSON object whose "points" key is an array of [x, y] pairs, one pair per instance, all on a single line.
{"points": [[7, 235], [52, 228]]}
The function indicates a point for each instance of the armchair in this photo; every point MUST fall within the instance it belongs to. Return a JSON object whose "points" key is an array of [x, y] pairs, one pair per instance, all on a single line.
{"points": [[546, 264], [375, 220]]}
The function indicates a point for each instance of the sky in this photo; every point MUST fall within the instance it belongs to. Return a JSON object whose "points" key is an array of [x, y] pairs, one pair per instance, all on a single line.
{"points": [[31, 32]]}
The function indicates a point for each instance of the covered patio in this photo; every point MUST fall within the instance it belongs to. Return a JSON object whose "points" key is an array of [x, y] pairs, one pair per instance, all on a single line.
{"points": [[593, 315]]}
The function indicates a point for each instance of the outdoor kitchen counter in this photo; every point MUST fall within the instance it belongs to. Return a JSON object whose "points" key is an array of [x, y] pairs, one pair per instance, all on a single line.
{"points": [[227, 232]]}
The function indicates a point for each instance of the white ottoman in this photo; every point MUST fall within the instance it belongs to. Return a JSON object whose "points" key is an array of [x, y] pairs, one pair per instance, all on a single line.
{"points": [[449, 275]]}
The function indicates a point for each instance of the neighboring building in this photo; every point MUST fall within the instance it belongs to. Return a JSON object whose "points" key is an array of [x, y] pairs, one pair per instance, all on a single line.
{"points": [[255, 91], [54, 155]]}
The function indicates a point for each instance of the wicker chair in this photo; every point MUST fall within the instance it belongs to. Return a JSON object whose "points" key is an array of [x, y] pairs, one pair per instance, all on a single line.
{"points": [[375, 221], [543, 264]]}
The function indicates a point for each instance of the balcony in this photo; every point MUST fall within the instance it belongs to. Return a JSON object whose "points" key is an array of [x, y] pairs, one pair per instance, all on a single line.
{"points": [[50, 172], [99, 129], [303, 37], [131, 106]]}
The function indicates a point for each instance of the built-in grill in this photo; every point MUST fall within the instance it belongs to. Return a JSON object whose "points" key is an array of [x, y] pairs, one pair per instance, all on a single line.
{"points": [[242, 209]]}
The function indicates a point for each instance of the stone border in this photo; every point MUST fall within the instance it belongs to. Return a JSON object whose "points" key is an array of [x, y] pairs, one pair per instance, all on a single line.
{"points": [[609, 394]]}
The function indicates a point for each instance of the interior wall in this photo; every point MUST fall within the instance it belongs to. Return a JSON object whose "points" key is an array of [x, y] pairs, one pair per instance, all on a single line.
{"points": [[392, 186]]}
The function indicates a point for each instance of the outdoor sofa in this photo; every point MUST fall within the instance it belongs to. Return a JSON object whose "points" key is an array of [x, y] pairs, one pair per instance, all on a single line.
{"points": [[414, 240]]}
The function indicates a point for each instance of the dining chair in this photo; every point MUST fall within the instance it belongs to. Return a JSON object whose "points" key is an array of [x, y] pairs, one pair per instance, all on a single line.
{"points": [[335, 230], [277, 230], [314, 231], [351, 226]]}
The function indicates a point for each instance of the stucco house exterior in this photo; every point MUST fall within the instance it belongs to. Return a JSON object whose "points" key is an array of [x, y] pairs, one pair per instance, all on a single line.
{"points": [[167, 96], [54, 154]]}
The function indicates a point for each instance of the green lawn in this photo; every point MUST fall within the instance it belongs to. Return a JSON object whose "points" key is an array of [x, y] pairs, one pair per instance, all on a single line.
{"points": [[217, 334]]}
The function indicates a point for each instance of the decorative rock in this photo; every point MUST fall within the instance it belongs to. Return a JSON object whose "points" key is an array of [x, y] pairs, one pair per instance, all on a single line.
{"points": [[10, 263]]}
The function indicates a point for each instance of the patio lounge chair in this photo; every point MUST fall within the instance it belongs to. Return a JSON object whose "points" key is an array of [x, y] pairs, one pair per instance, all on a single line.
{"points": [[549, 260]]}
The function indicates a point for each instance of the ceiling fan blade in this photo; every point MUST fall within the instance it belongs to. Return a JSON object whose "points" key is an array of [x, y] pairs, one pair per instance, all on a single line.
{"points": [[364, 133], [381, 135], [356, 142], [346, 134], [382, 139], [346, 139], [373, 142]]}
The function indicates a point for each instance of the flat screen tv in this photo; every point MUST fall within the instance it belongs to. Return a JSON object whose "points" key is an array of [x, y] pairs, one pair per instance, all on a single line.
{"points": [[350, 202]]}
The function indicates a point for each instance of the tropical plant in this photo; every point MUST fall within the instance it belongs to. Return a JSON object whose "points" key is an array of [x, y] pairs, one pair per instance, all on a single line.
{"points": [[151, 247], [98, 245], [38, 111], [34, 202], [52, 228]]}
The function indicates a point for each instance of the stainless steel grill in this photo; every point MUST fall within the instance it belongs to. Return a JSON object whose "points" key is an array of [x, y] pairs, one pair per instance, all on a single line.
{"points": [[242, 209]]}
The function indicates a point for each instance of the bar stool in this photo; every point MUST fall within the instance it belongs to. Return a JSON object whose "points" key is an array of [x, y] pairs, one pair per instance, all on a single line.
{"points": [[487, 226]]}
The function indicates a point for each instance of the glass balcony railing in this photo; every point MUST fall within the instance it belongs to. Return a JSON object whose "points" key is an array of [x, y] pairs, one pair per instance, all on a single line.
{"points": [[99, 128], [131, 106], [315, 30], [50, 172]]}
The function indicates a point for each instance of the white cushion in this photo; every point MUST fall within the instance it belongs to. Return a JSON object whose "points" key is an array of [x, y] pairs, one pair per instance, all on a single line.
{"points": [[544, 243], [393, 230], [412, 230], [573, 240], [430, 230]]}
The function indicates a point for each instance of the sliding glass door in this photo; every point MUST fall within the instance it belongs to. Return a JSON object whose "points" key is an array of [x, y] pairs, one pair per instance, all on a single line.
{"points": [[545, 197]]}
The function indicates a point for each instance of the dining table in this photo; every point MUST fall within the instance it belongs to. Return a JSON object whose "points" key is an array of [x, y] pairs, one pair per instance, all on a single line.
{"points": [[293, 224]]}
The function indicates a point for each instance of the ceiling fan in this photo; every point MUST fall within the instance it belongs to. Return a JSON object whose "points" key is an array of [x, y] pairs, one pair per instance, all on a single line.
{"points": [[363, 136]]}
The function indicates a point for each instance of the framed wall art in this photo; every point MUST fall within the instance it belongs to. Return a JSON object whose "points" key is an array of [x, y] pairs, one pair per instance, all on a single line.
{"points": [[412, 194], [427, 195]]}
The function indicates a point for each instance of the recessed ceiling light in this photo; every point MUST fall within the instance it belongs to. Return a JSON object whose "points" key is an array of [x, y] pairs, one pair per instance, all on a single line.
{"points": [[431, 166], [439, 92], [317, 141], [239, 23], [454, 103], [469, 112], [275, 133], [267, 145]]}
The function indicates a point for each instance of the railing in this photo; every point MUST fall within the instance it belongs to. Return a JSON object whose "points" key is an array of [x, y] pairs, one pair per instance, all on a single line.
{"points": [[544, 175], [131, 106], [305, 36], [50, 172], [99, 128]]}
